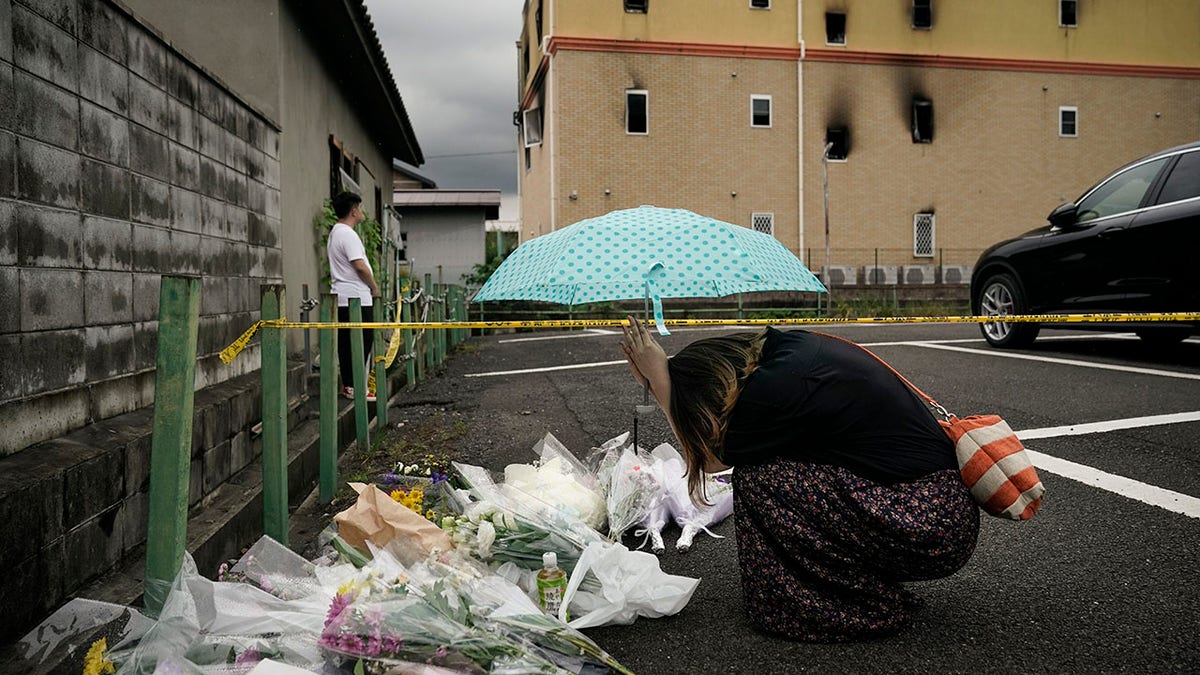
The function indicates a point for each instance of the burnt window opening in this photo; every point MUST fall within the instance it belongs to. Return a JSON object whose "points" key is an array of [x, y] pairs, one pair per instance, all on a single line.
{"points": [[637, 6], [922, 120], [528, 159], [1068, 121], [637, 111], [835, 28], [525, 61], [760, 111], [1068, 13], [838, 141], [343, 168], [760, 4], [537, 17], [922, 14]]}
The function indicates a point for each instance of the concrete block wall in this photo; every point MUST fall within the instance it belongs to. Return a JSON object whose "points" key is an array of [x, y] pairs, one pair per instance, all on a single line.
{"points": [[120, 161]]}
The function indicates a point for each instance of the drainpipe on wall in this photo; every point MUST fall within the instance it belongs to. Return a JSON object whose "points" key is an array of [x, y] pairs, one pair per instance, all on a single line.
{"points": [[800, 132], [551, 113]]}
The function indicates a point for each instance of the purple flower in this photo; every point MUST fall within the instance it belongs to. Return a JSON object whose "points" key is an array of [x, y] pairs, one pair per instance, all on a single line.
{"points": [[391, 477], [340, 602]]}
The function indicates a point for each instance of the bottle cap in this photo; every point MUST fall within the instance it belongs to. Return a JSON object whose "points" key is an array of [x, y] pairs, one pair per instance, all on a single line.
{"points": [[550, 559]]}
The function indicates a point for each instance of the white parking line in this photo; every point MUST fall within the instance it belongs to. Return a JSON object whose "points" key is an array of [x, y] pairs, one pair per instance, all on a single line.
{"points": [[1066, 362], [1126, 487], [526, 371], [1111, 425]]}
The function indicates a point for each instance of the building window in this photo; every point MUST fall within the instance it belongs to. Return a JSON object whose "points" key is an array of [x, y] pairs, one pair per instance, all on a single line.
{"points": [[837, 139], [637, 111], [760, 111], [923, 235], [537, 17], [1068, 13], [835, 28], [763, 222], [528, 159], [1068, 121], [760, 4], [531, 125], [922, 120], [637, 6], [922, 14], [525, 61]]}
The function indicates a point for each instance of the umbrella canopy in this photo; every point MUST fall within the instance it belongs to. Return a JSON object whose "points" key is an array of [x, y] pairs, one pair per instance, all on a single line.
{"points": [[647, 252]]}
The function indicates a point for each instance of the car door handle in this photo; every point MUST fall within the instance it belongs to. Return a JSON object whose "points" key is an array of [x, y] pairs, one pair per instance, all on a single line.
{"points": [[1110, 232]]}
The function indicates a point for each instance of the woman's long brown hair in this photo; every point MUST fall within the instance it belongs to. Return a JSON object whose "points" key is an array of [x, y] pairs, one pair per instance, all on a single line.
{"points": [[706, 379]]}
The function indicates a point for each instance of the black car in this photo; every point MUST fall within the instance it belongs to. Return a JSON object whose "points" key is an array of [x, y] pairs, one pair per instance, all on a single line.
{"points": [[1131, 243]]}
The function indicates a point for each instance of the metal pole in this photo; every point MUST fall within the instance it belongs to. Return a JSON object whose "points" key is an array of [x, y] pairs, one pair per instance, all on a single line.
{"points": [[328, 400], [825, 211], [274, 395], [410, 362], [171, 444], [304, 317]]}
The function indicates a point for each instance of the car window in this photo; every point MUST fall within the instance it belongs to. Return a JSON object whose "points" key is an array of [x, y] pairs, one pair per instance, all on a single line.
{"points": [[1123, 192], [1184, 181]]}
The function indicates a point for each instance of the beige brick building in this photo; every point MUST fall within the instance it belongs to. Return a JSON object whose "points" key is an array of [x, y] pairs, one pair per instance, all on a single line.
{"points": [[966, 121]]}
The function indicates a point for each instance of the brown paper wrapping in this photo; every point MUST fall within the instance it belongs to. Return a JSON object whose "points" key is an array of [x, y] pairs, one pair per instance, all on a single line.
{"points": [[378, 518]]}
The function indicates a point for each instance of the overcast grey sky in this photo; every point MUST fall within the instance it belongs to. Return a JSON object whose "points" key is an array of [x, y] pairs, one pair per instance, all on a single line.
{"points": [[454, 62]]}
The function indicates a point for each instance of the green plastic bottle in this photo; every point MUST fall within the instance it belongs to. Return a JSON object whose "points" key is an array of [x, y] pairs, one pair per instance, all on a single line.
{"points": [[551, 584]]}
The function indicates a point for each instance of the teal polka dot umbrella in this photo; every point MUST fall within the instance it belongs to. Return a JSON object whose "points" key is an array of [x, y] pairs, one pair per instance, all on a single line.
{"points": [[647, 252]]}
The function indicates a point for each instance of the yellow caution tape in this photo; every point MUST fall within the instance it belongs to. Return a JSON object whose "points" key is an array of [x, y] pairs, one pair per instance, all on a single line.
{"points": [[230, 353], [1142, 317]]}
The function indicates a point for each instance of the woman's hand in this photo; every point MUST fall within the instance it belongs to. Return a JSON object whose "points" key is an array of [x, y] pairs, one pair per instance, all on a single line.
{"points": [[647, 360]]}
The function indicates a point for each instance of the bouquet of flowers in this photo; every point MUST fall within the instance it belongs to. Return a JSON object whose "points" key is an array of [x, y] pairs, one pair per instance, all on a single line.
{"points": [[633, 490], [560, 479]]}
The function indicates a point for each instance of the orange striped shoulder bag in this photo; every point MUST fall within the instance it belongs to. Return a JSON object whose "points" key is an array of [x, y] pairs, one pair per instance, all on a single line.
{"points": [[992, 460]]}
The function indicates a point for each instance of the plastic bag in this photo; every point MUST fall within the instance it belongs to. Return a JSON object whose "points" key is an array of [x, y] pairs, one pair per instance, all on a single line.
{"points": [[633, 585], [690, 518]]}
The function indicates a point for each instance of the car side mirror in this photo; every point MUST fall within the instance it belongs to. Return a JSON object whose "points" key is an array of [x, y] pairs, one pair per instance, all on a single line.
{"points": [[1063, 216]]}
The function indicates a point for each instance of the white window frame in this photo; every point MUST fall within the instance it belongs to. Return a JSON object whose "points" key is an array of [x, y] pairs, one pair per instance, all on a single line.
{"points": [[770, 110], [1073, 110], [769, 216], [754, 6], [917, 218], [531, 127], [1060, 15], [643, 92], [845, 36]]}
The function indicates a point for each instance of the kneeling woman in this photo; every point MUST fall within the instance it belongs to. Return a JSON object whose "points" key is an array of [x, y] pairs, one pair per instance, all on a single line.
{"points": [[844, 484]]}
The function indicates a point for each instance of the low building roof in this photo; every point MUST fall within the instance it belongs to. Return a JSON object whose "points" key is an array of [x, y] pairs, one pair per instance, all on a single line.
{"points": [[488, 199], [414, 173]]}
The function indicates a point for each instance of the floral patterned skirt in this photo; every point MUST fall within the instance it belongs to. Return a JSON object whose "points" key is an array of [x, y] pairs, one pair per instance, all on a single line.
{"points": [[823, 552]]}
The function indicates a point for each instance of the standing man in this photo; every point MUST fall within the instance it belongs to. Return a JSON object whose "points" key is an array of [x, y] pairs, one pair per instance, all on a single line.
{"points": [[351, 278]]}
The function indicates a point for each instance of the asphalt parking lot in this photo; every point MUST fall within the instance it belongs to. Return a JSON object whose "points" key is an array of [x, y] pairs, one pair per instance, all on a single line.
{"points": [[1104, 579]]}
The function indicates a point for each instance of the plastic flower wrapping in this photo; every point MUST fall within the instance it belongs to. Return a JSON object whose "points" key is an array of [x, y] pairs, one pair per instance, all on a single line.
{"points": [[435, 582]]}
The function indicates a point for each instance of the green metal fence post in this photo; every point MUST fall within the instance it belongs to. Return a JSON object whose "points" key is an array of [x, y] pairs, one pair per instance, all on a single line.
{"points": [[171, 444], [358, 365], [381, 387], [274, 405], [328, 400]]}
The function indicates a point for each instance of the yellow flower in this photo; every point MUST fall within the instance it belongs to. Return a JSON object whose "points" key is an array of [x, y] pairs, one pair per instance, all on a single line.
{"points": [[398, 495], [94, 663]]}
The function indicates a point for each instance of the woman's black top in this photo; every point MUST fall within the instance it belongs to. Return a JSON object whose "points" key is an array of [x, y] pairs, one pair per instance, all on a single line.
{"points": [[818, 399]]}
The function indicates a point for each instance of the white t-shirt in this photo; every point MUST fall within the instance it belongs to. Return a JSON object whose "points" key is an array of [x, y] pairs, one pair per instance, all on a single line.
{"points": [[343, 248]]}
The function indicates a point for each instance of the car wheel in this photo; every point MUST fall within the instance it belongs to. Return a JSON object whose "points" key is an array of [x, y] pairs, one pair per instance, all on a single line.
{"points": [[1002, 297], [1163, 337]]}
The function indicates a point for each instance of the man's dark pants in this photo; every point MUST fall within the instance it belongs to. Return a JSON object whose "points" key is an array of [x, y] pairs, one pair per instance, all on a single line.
{"points": [[344, 358]]}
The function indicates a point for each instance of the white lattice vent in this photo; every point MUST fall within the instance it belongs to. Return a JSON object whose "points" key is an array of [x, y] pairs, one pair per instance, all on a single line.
{"points": [[923, 235]]}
